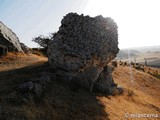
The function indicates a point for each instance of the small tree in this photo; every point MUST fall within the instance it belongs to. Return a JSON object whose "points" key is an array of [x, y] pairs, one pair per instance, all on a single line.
{"points": [[44, 41]]}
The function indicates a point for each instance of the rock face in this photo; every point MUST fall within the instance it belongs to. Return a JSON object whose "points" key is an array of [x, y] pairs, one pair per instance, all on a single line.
{"points": [[9, 39], [81, 50], [24, 48], [3, 50]]}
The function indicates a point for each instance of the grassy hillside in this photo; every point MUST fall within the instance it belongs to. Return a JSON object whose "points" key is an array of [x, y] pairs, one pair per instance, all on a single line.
{"points": [[59, 101], [141, 93], [18, 60]]}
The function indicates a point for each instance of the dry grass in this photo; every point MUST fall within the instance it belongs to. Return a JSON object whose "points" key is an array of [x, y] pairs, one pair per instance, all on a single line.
{"points": [[64, 104], [147, 69], [59, 102], [141, 94], [15, 60]]}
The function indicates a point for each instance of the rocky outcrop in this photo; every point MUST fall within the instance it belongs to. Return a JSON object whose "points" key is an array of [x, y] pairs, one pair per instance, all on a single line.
{"points": [[105, 81], [24, 48], [82, 49], [9, 39], [28, 91]]}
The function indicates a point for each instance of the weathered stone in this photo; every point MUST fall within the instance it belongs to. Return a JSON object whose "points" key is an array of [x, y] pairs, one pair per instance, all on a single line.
{"points": [[43, 80], [26, 87], [9, 39], [33, 89], [105, 81], [88, 77], [24, 48], [28, 91], [38, 89], [81, 49]]}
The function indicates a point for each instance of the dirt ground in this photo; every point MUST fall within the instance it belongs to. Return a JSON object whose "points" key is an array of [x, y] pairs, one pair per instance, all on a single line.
{"points": [[59, 102]]}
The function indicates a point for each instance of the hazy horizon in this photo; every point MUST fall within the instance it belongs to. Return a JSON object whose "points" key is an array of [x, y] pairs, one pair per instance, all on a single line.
{"points": [[138, 21], [141, 47]]}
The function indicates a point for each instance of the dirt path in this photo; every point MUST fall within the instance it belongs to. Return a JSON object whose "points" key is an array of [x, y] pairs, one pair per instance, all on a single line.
{"points": [[19, 60]]}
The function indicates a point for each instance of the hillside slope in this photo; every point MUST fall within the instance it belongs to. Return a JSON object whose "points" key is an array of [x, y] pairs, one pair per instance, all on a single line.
{"points": [[14, 60], [141, 95], [59, 101]]}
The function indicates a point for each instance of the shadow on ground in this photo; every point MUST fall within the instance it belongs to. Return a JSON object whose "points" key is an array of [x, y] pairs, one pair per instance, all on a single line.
{"points": [[58, 101]]}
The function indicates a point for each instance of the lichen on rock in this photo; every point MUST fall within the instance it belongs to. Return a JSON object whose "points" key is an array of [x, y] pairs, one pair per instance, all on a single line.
{"points": [[82, 48]]}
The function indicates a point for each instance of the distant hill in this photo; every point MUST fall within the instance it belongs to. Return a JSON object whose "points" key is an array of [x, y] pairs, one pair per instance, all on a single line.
{"points": [[125, 53], [145, 49], [139, 54]]}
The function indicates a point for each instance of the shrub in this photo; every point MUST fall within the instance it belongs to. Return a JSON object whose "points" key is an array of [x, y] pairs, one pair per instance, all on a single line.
{"points": [[130, 93], [120, 63], [114, 63], [125, 63]]}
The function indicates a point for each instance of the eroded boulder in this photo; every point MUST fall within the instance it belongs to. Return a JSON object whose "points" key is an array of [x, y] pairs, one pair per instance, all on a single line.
{"points": [[82, 48]]}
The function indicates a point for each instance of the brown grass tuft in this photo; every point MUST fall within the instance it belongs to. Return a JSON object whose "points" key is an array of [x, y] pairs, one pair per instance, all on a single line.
{"points": [[14, 60]]}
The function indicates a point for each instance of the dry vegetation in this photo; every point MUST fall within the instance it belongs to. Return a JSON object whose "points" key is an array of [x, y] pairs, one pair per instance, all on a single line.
{"points": [[15, 60], [141, 94], [154, 71], [60, 102]]}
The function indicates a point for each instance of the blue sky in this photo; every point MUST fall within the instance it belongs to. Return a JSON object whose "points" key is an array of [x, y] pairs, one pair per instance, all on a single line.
{"points": [[138, 20], [31, 18]]}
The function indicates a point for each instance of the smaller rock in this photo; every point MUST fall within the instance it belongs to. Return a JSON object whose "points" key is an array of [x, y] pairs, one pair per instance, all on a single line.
{"points": [[32, 90], [117, 91], [88, 78], [25, 91], [38, 90], [43, 80], [26, 87], [24, 48], [105, 83], [28, 90]]}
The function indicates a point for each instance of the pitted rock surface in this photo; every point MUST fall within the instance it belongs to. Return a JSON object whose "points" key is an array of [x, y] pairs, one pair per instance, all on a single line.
{"points": [[9, 39], [82, 47]]}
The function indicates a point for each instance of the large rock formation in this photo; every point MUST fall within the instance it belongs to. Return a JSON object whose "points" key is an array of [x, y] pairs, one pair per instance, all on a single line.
{"points": [[9, 39], [81, 50]]}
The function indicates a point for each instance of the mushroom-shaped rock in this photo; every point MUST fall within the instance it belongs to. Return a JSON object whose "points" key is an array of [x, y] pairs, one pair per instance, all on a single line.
{"points": [[82, 48]]}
